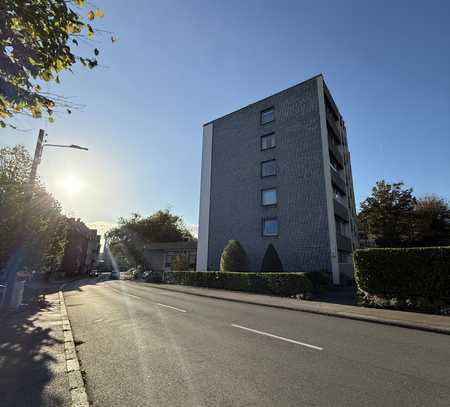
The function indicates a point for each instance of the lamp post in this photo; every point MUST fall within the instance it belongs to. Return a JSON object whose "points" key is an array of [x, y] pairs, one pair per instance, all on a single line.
{"points": [[18, 250]]}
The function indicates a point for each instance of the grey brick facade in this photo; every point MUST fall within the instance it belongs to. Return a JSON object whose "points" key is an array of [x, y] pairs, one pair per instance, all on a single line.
{"points": [[303, 208]]}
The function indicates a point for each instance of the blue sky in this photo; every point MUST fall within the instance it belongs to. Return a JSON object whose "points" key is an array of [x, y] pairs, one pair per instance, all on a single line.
{"points": [[178, 64]]}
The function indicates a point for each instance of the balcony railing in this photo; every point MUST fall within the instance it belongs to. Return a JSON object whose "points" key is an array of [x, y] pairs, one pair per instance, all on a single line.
{"points": [[340, 210], [337, 180], [343, 243]]}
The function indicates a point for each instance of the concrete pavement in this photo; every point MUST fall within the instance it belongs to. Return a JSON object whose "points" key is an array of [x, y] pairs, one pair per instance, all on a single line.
{"points": [[32, 359], [148, 347]]}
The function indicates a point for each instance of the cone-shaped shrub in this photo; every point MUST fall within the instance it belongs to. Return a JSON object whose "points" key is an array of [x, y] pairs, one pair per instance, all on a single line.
{"points": [[271, 262], [233, 257]]}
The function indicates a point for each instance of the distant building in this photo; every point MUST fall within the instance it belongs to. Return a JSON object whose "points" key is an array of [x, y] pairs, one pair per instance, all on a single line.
{"points": [[278, 171], [159, 256], [81, 249]]}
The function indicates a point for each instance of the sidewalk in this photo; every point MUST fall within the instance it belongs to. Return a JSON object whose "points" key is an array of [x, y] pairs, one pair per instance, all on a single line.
{"points": [[32, 355], [424, 322]]}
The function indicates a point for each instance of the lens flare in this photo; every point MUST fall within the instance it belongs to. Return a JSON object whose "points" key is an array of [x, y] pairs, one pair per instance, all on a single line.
{"points": [[72, 184]]}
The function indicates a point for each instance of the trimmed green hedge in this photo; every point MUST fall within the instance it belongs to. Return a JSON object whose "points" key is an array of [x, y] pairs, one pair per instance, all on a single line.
{"points": [[410, 273], [284, 284]]}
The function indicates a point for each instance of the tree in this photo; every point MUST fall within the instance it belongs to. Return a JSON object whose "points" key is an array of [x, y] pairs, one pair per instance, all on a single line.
{"points": [[37, 42], [271, 262], [387, 215], [134, 233], [180, 263], [45, 225], [233, 257], [431, 221]]}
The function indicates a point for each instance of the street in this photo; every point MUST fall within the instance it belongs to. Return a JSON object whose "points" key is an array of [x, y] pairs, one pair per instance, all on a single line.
{"points": [[143, 346]]}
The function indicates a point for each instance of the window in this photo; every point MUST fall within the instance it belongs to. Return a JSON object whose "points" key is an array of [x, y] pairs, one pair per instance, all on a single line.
{"points": [[269, 197], [268, 168], [268, 141], [270, 227], [267, 116]]}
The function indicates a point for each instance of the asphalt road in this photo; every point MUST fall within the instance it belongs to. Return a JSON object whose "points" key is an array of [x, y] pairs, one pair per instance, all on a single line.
{"points": [[142, 346]]}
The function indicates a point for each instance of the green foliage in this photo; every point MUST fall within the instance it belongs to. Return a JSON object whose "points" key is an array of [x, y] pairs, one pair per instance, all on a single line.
{"points": [[431, 221], [37, 41], [283, 284], [45, 226], [271, 262], [393, 217], [386, 216], [406, 274], [321, 280], [233, 257], [132, 234], [180, 263]]}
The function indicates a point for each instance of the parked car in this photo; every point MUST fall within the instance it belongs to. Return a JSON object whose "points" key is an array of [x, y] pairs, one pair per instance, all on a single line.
{"points": [[115, 275], [93, 273]]}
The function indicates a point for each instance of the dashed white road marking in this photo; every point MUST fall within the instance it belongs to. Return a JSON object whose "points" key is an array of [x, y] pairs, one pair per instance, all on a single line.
{"points": [[277, 337], [169, 306]]}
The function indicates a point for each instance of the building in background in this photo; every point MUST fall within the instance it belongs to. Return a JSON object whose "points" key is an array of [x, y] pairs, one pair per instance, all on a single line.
{"points": [[81, 249], [159, 256], [278, 171]]}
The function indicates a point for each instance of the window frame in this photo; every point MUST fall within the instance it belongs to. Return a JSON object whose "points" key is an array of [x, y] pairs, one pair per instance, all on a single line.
{"points": [[261, 168], [264, 220], [261, 113], [268, 135], [262, 195]]}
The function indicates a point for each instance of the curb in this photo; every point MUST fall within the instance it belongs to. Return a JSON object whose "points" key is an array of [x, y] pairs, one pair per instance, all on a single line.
{"points": [[337, 314], [76, 383]]}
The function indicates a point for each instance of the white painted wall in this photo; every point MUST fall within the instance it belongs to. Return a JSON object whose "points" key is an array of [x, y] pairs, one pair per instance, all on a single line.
{"points": [[205, 197]]}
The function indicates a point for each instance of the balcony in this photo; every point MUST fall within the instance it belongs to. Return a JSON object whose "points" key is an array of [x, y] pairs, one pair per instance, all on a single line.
{"points": [[334, 150], [332, 123], [344, 243], [340, 210], [337, 180]]}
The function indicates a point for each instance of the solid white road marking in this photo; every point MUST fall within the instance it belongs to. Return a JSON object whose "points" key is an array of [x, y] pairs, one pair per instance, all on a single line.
{"points": [[135, 296], [277, 337], [168, 306]]}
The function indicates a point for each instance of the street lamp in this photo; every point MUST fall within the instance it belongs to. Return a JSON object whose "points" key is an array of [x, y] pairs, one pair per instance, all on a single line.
{"points": [[38, 155], [13, 262]]}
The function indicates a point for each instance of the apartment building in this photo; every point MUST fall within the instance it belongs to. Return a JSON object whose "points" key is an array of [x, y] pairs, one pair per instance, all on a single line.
{"points": [[278, 171]]}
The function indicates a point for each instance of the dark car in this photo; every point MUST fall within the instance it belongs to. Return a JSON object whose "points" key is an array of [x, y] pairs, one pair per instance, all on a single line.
{"points": [[93, 273]]}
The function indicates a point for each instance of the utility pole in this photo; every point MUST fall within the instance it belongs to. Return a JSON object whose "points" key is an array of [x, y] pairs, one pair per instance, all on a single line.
{"points": [[36, 162]]}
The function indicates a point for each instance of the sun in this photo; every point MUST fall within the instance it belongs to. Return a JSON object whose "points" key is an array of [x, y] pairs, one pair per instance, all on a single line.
{"points": [[72, 184]]}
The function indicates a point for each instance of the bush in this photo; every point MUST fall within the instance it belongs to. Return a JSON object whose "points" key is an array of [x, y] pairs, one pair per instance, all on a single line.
{"points": [[412, 275], [283, 284], [271, 262], [180, 263], [233, 257], [321, 280]]}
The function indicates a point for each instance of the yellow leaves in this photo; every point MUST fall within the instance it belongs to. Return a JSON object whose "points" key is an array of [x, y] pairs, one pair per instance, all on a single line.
{"points": [[98, 13], [79, 3], [46, 76]]}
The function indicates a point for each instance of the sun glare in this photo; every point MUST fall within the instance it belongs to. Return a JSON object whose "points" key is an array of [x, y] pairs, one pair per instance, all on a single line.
{"points": [[72, 184]]}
